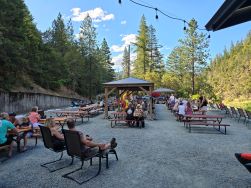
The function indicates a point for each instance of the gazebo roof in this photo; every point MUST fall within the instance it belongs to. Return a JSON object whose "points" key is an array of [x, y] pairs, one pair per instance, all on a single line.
{"points": [[232, 12], [129, 82]]}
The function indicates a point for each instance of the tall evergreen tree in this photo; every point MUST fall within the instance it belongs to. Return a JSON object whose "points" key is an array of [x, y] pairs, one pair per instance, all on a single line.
{"points": [[141, 64], [126, 66], [88, 46], [195, 46]]}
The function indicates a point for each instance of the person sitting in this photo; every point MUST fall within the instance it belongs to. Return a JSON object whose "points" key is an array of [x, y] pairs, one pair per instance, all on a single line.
{"points": [[139, 115], [181, 111], [34, 117], [203, 105], [21, 124], [188, 109], [129, 114], [88, 143], [57, 137], [5, 139]]}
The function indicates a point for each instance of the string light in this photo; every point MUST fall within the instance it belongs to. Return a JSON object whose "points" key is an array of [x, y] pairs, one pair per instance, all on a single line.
{"points": [[184, 28], [156, 16], [163, 13]]}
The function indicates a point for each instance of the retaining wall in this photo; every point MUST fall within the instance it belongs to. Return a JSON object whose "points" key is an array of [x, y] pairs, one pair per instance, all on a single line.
{"points": [[20, 102]]}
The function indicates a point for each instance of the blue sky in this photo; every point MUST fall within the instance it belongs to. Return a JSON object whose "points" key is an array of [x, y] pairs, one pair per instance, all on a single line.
{"points": [[119, 23]]}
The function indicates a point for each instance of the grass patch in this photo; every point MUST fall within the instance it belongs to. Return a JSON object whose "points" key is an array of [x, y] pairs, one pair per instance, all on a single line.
{"points": [[246, 104]]}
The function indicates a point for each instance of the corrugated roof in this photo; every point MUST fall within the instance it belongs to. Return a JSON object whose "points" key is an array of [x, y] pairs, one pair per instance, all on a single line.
{"points": [[232, 12], [128, 81]]}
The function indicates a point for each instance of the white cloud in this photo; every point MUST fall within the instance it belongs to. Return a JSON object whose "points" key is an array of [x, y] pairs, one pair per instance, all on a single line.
{"points": [[123, 22], [126, 39], [97, 15], [117, 60]]}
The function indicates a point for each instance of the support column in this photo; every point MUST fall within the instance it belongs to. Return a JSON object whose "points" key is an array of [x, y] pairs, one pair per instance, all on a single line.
{"points": [[151, 102], [106, 103]]}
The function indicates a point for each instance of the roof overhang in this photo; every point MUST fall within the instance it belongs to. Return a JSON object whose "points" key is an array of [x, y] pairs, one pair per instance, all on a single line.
{"points": [[231, 12]]}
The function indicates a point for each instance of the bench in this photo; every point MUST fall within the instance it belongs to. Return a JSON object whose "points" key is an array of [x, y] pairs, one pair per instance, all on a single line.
{"points": [[4, 147], [124, 120], [198, 123]]}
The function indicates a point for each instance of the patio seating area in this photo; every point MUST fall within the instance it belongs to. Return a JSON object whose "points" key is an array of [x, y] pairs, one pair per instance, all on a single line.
{"points": [[163, 154]]}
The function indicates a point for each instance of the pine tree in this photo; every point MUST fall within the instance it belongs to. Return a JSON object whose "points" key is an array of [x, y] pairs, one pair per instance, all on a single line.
{"points": [[88, 46], [126, 63], [195, 46], [141, 64]]}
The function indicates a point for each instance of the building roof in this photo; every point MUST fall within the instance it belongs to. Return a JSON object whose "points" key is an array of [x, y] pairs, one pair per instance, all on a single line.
{"points": [[128, 81], [231, 12]]}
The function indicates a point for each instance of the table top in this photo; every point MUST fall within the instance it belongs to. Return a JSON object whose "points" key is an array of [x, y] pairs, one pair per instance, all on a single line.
{"points": [[20, 130], [56, 119], [203, 116]]}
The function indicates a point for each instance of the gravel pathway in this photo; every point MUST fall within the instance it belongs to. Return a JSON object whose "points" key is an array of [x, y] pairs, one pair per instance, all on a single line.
{"points": [[163, 154]]}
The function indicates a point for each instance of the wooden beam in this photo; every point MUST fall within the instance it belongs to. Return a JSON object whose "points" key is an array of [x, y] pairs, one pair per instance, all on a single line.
{"points": [[111, 91], [106, 102], [147, 92]]}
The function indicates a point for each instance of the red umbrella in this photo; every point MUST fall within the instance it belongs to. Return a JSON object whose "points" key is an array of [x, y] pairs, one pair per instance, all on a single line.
{"points": [[155, 94]]}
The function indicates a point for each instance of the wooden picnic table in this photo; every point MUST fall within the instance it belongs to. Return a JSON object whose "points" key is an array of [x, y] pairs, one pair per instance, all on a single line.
{"points": [[20, 132], [73, 114], [204, 120]]}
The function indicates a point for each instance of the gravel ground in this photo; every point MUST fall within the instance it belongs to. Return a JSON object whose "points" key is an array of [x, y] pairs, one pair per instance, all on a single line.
{"points": [[163, 154]]}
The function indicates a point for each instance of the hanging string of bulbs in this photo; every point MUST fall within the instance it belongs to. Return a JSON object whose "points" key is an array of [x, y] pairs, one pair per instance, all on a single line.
{"points": [[163, 13]]}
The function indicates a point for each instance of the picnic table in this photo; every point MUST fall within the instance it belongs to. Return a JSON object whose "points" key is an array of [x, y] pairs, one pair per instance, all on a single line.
{"points": [[17, 136], [72, 114], [204, 120], [120, 117]]}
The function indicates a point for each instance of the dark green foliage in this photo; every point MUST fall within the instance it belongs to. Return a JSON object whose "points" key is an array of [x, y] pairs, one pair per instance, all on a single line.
{"points": [[230, 73], [51, 59]]}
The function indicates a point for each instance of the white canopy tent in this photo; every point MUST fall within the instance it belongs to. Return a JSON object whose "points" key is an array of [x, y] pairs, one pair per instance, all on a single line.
{"points": [[164, 90]]}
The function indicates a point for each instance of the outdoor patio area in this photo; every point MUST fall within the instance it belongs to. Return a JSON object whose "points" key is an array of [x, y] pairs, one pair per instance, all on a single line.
{"points": [[163, 154]]}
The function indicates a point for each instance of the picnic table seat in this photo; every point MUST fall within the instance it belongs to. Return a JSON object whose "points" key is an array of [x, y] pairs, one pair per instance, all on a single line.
{"points": [[204, 123]]}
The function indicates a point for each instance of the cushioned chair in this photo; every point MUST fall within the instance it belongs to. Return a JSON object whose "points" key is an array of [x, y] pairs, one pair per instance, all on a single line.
{"points": [[75, 148], [48, 143], [244, 159]]}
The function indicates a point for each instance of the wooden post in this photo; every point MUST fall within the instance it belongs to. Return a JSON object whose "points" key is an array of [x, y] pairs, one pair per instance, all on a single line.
{"points": [[106, 102], [151, 102]]}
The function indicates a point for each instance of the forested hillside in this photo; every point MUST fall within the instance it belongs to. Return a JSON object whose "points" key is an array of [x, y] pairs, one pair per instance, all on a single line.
{"points": [[51, 59], [229, 74]]}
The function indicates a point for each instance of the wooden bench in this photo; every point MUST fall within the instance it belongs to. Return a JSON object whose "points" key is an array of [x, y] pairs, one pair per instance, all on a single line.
{"points": [[124, 120], [198, 123], [4, 147]]}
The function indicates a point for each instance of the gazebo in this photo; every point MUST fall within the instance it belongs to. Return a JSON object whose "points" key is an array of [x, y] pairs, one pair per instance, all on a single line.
{"points": [[127, 84]]}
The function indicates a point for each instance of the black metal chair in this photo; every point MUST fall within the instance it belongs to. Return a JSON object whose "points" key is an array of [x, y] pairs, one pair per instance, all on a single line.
{"points": [[233, 112], [241, 113], [75, 148], [248, 117], [48, 143]]}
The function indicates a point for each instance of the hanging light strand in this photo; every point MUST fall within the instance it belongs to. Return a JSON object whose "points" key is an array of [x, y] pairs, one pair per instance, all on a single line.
{"points": [[163, 13]]}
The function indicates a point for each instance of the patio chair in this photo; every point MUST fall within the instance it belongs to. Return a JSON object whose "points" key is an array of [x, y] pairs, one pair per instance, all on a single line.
{"points": [[48, 143], [233, 112], [248, 117], [75, 148], [241, 113]]}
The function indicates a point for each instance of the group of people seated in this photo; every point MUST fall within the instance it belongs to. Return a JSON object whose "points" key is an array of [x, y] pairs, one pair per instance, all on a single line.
{"points": [[10, 121], [88, 144], [183, 107], [135, 112]]}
